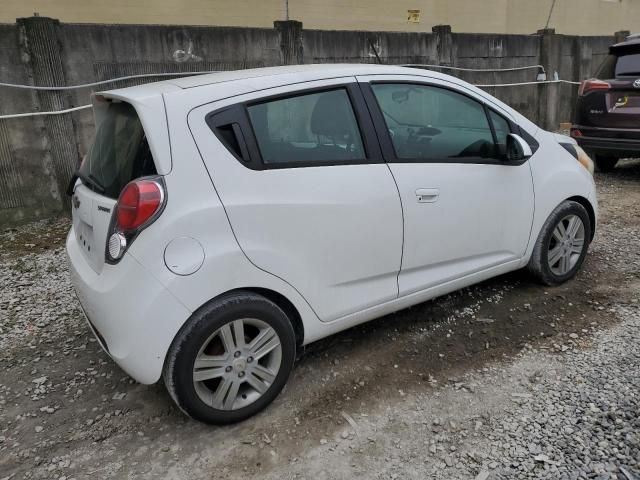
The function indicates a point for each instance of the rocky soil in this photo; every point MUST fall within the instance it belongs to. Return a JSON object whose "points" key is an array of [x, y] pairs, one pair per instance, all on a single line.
{"points": [[506, 379]]}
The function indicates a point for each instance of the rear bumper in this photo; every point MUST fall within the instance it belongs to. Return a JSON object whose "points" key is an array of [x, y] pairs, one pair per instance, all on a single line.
{"points": [[611, 144], [131, 314]]}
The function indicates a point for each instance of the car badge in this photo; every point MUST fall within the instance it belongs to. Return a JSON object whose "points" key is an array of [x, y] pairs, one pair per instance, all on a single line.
{"points": [[76, 202], [636, 84]]}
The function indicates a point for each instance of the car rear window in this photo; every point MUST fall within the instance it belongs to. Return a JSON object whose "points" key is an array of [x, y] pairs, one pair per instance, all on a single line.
{"points": [[120, 152], [619, 65]]}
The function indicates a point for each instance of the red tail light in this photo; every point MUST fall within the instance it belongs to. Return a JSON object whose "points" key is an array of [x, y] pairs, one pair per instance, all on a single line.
{"points": [[575, 133], [138, 202], [587, 86]]}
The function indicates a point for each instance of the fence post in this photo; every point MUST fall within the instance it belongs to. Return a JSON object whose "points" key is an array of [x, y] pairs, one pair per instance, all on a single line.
{"points": [[549, 93], [621, 36], [291, 49], [42, 52], [444, 44]]}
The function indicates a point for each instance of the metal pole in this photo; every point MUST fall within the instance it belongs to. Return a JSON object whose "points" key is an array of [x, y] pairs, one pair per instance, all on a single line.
{"points": [[548, 18]]}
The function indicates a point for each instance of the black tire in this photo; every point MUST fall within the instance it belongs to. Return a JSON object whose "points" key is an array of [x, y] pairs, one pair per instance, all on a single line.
{"points": [[605, 163], [538, 264], [179, 364]]}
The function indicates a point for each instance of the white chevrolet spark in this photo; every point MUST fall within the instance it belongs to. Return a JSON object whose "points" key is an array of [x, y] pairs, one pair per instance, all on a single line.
{"points": [[221, 222]]}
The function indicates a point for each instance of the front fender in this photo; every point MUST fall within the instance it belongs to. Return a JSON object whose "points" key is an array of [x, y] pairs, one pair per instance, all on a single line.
{"points": [[557, 176]]}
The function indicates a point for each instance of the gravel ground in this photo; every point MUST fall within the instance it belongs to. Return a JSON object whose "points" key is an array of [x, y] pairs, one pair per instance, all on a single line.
{"points": [[506, 379]]}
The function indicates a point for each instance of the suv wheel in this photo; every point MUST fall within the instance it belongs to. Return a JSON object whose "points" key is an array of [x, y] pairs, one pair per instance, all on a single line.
{"points": [[231, 358], [606, 163], [562, 244]]}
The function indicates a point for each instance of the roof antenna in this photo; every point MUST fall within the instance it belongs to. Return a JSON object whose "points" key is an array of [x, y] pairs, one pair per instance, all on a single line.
{"points": [[375, 51]]}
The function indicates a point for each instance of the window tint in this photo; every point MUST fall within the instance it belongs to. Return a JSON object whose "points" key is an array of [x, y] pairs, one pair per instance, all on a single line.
{"points": [[628, 65], [434, 123], [502, 129], [619, 65], [120, 152], [317, 127]]}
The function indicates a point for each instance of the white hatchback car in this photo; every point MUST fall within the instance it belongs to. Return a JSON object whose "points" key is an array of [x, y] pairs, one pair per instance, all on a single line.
{"points": [[221, 222]]}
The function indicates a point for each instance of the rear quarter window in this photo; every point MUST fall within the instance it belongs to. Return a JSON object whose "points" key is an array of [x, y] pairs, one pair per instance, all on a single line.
{"points": [[119, 153]]}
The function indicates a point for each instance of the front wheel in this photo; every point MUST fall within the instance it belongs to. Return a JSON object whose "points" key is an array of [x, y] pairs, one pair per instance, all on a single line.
{"points": [[231, 358], [606, 163], [562, 244]]}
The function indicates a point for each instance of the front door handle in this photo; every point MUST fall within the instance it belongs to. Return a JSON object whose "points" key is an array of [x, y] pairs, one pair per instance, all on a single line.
{"points": [[427, 195]]}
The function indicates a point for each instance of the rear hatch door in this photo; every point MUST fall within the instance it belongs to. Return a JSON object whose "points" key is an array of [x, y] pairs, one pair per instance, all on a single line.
{"points": [[623, 103], [619, 106], [120, 153]]}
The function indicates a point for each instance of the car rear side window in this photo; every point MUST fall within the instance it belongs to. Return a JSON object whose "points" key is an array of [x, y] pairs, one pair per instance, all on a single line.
{"points": [[119, 154], [619, 65], [309, 129]]}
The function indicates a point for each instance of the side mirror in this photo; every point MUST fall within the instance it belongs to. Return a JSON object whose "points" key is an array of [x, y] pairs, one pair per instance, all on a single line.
{"points": [[517, 149]]}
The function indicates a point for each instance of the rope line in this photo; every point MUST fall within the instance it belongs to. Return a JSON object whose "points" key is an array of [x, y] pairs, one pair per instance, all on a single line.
{"points": [[39, 114], [150, 75], [462, 69], [526, 83], [177, 74], [103, 82]]}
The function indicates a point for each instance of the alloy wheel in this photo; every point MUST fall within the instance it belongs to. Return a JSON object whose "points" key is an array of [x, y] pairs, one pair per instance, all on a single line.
{"points": [[237, 364], [566, 245]]}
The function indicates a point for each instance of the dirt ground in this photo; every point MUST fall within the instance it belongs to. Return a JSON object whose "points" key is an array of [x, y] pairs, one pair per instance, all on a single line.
{"points": [[67, 411]]}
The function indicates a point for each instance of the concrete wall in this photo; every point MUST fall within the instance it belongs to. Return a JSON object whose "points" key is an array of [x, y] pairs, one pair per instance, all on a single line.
{"points": [[570, 17], [39, 154]]}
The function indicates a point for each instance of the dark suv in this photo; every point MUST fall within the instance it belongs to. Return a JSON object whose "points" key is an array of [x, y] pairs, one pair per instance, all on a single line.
{"points": [[607, 118]]}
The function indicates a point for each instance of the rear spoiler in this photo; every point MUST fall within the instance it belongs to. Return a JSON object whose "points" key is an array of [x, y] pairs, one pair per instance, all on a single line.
{"points": [[630, 45]]}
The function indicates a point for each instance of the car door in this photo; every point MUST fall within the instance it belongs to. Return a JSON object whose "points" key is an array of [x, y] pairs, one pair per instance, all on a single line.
{"points": [[466, 209], [307, 193]]}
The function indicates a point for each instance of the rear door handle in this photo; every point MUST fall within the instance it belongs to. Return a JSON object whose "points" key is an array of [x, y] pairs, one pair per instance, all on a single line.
{"points": [[427, 195]]}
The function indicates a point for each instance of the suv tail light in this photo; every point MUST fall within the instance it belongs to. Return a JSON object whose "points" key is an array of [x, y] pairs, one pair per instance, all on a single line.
{"points": [[139, 204], [587, 86]]}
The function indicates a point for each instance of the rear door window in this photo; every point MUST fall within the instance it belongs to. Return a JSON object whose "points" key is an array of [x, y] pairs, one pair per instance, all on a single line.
{"points": [[120, 152], [309, 129]]}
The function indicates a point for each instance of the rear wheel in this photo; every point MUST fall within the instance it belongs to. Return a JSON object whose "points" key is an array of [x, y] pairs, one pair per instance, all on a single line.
{"points": [[605, 163], [231, 359], [562, 244]]}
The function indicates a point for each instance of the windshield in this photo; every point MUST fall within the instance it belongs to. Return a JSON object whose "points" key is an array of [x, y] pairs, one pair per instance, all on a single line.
{"points": [[120, 152]]}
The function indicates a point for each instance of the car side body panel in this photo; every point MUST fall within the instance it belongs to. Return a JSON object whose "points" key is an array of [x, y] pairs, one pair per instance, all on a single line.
{"points": [[334, 233], [461, 230]]}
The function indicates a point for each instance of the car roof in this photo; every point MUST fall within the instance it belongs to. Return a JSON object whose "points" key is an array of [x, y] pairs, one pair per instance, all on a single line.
{"points": [[309, 71], [257, 78]]}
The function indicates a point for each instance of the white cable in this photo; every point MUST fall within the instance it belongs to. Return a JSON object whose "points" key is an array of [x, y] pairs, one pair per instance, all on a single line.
{"points": [[36, 114], [526, 83], [118, 79], [177, 74], [59, 112], [461, 69]]}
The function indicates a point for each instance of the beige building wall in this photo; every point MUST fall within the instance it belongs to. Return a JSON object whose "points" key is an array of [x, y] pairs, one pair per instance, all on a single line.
{"points": [[579, 17]]}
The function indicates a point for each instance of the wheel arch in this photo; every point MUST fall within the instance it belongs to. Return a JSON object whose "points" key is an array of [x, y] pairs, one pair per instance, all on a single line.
{"points": [[590, 210], [285, 304], [279, 299]]}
